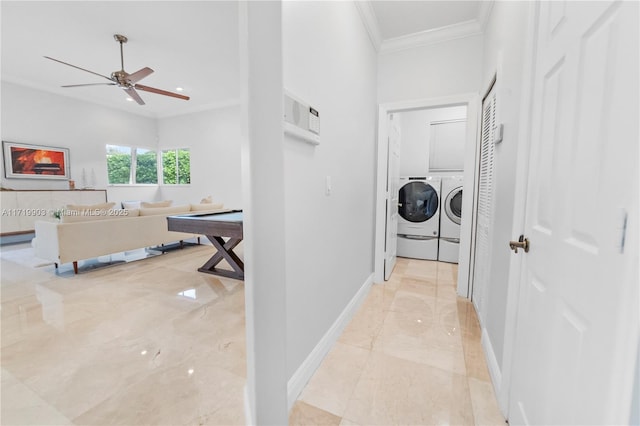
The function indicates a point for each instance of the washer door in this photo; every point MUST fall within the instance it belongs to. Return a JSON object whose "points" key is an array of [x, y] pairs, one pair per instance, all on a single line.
{"points": [[417, 202], [453, 205]]}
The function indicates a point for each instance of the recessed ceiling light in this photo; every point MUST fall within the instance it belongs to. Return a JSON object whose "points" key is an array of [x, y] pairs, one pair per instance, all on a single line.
{"points": [[179, 89], [130, 99]]}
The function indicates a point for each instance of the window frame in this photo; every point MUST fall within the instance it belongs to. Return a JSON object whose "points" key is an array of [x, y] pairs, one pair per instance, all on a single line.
{"points": [[133, 164]]}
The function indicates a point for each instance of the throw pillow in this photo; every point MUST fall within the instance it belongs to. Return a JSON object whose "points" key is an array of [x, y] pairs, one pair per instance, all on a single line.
{"points": [[207, 200], [206, 207], [164, 210], [100, 206], [156, 204], [130, 205]]}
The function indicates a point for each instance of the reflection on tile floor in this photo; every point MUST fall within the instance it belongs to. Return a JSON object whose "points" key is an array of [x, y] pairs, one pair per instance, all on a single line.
{"points": [[155, 342], [410, 356], [141, 343]]}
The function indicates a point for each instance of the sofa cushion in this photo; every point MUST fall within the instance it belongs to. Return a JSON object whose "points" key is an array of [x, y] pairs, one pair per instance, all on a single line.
{"points": [[74, 216], [206, 207], [164, 210], [83, 213], [156, 204]]}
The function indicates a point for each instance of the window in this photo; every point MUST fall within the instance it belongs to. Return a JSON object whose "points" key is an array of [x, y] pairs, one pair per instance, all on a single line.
{"points": [[176, 166], [119, 164], [146, 166], [127, 165]]}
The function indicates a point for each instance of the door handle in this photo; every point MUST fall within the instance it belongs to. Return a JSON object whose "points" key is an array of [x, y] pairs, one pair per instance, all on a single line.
{"points": [[522, 243]]}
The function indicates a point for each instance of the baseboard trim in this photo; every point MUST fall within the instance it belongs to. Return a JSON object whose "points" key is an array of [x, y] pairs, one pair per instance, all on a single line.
{"points": [[248, 418], [492, 362], [303, 374]]}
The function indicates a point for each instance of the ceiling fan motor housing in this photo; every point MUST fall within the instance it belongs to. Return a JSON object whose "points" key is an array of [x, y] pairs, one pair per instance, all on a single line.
{"points": [[120, 77]]}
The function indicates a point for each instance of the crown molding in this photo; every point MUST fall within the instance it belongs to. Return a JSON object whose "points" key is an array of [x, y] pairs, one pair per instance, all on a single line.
{"points": [[368, 16], [126, 107], [437, 35]]}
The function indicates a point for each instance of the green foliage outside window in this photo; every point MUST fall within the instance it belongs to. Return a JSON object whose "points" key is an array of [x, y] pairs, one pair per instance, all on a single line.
{"points": [[119, 164], [146, 166], [127, 165], [176, 167]]}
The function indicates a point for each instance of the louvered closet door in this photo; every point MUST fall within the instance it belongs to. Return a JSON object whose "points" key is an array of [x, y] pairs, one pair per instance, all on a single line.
{"points": [[485, 202]]}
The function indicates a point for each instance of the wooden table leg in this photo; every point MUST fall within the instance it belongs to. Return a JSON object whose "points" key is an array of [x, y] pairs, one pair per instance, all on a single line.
{"points": [[225, 251]]}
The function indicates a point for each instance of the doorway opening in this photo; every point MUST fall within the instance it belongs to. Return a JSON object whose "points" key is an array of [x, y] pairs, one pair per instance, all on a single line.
{"points": [[432, 160]]}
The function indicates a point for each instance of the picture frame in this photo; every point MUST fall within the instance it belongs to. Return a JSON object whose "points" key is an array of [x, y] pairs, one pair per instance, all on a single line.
{"points": [[27, 161]]}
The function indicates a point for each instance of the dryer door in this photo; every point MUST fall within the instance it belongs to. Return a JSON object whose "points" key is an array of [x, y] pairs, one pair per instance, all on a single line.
{"points": [[418, 202], [453, 205]]}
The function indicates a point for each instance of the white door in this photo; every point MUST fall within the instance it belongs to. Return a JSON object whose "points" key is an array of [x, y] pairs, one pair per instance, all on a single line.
{"points": [[577, 324], [393, 188]]}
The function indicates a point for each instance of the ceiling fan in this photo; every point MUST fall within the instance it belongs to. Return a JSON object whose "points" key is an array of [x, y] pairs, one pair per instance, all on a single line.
{"points": [[124, 80]]}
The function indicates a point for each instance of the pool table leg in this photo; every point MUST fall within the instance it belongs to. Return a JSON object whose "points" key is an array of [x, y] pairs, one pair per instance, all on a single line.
{"points": [[225, 251]]}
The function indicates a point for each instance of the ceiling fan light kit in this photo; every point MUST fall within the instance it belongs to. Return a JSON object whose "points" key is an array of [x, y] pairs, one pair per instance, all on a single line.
{"points": [[124, 80]]}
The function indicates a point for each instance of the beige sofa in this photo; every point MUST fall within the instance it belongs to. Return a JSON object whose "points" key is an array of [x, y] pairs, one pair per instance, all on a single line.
{"points": [[88, 236]]}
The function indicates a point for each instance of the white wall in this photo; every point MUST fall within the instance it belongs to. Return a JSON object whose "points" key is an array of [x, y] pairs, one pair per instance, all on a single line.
{"points": [[431, 71], [416, 137], [213, 138], [38, 117], [504, 46], [329, 63]]}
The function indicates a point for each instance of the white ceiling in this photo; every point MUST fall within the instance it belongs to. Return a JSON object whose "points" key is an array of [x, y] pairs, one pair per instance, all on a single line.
{"points": [[400, 18], [189, 44]]}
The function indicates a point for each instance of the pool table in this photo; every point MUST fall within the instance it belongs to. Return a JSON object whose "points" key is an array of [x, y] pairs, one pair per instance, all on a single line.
{"points": [[216, 227]]}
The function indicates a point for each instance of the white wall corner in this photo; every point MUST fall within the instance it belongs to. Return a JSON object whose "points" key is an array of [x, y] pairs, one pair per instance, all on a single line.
{"points": [[437, 35], [370, 22], [484, 12], [303, 374]]}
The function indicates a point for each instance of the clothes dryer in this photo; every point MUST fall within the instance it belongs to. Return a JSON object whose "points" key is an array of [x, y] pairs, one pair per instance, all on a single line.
{"points": [[450, 217], [419, 217]]}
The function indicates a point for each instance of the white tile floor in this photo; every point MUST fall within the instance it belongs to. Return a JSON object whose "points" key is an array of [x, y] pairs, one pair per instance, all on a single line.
{"points": [[155, 342], [148, 342], [410, 356]]}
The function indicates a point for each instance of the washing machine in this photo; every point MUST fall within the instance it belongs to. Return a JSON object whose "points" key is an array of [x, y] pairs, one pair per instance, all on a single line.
{"points": [[419, 217], [450, 217]]}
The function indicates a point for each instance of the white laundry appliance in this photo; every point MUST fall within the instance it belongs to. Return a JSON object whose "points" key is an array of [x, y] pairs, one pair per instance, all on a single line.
{"points": [[450, 217], [419, 217]]}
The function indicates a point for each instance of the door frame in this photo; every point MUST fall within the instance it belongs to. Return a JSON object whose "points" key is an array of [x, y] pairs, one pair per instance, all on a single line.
{"points": [[471, 101], [503, 388]]}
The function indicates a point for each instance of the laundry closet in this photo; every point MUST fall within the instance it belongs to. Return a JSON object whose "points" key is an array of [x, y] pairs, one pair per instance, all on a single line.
{"points": [[431, 168]]}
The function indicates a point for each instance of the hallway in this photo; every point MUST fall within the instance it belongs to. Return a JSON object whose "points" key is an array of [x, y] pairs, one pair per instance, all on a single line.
{"points": [[411, 355]]}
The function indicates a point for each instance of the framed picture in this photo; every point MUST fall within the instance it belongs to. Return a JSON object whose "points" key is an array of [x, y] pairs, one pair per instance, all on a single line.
{"points": [[24, 161]]}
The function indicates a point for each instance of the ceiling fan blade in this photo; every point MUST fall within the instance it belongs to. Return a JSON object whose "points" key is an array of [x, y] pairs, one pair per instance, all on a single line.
{"points": [[82, 69], [90, 84], [160, 92], [139, 75], [134, 95]]}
